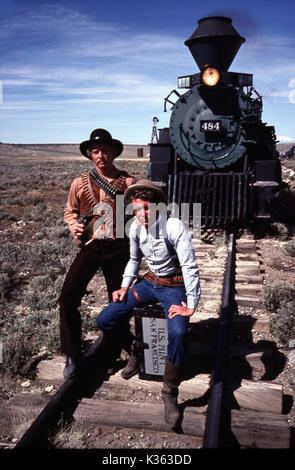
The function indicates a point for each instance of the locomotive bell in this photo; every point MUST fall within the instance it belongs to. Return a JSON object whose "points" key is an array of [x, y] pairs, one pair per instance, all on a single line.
{"points": [[215, 42]]}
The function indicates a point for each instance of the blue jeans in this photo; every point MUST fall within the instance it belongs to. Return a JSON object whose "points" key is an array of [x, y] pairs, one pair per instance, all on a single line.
{"points": [[112, 317]]}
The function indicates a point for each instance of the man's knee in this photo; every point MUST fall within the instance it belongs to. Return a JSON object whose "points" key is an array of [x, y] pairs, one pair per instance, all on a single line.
{"points": [[105, 319], [113, 316], [68, 300], [100, 321]]}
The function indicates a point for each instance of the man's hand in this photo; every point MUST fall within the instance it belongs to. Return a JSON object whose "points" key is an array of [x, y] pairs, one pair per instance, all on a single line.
{"points": [[77, 230], [182, 310], [119, 295]]}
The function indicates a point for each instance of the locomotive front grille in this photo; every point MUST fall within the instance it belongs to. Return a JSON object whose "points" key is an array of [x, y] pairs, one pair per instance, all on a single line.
{"points": [[224, 198]]}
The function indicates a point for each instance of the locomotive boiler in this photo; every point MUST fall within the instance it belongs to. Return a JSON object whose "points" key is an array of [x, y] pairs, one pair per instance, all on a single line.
{"points": [[217, 151]]}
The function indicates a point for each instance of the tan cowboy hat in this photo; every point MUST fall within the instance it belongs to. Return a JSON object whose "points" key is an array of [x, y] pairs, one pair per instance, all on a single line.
{"points": [[145, 184], [104, 137]]}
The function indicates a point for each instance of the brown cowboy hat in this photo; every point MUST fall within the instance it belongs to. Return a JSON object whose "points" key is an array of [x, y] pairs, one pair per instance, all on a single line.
{"points": [[104, 137], [145, 184]]}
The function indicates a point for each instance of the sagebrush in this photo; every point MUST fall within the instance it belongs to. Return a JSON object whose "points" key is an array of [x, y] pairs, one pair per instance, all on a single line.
{"points": [[32, 271]]}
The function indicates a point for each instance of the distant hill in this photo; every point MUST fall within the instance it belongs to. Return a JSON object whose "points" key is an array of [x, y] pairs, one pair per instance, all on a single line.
{"points": [[284, 147], [58, 150], [72, 150]]}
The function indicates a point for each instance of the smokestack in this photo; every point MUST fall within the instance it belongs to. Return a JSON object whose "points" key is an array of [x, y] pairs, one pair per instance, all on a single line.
{"points": [[215, 42]]}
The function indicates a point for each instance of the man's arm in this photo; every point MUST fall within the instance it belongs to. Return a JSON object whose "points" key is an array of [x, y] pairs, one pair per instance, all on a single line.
{"points": [[72, 211], [182, 310], [119, 295], [132, 267], [181, 240]]}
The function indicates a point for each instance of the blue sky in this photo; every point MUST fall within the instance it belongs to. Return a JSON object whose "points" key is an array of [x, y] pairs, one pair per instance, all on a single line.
{"points": [[69, 66]]}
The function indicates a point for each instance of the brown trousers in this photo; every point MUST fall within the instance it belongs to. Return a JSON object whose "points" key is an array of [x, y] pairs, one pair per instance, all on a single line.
{"points": [[109, 255]]}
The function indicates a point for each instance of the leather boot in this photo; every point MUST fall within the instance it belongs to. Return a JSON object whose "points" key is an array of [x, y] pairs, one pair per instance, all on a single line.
{"points": [[114, 352], [112, 360], [171, 381], [132, 366]]}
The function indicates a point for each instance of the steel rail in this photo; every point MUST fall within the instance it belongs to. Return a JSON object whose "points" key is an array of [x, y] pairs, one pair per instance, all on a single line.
{"points": [[217, 432], [60, 409], [92, 373]]}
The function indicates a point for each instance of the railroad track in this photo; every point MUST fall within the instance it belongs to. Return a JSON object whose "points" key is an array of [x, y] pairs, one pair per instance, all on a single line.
{"points": [[232, 401]]}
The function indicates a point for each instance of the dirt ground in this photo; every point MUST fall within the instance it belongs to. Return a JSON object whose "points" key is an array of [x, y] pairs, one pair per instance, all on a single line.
{"points": [[24, 231], [278, 266]]}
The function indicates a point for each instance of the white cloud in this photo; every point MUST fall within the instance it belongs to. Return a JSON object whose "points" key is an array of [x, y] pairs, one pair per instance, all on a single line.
{"points": [[285, 140], [86, 62], [59, 60], [66, 86]]}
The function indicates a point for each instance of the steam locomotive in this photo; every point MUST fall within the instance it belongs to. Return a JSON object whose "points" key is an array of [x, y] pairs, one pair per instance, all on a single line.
{"points": [[217, 151]]}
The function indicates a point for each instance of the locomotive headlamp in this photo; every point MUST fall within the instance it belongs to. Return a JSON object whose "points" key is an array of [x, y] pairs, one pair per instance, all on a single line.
{"points": [[210, 76]]}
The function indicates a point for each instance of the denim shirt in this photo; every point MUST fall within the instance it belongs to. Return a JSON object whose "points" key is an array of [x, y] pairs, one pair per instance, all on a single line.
{"points": [[162, 259]]}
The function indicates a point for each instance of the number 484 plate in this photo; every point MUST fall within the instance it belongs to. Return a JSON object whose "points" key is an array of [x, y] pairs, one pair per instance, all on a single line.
{"points": [[212, 125]]}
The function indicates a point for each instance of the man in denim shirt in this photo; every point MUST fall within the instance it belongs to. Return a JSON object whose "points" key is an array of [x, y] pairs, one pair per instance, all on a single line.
{"points": [[172, 280]]}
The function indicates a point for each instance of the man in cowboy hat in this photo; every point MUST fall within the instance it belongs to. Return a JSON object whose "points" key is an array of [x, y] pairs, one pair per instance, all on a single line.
{"points": [[172, 280], [99, 247]]}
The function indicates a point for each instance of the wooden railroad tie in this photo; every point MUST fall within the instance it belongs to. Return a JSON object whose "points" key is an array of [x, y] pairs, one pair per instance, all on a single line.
{"points": [[251, 429]]}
